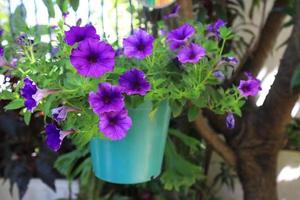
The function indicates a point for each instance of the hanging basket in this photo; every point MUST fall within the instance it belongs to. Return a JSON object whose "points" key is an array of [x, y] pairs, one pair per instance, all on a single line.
{"points": [[157, 3], [138, 157]]}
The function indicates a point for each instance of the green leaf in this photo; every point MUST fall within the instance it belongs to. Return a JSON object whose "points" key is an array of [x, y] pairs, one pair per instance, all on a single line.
{"points": [[295, 82], [50, 7], [179, 171], [41, 29], [27, 117], [193, 113], [15, 104], [6, 95], [176, 108], [74, 4], [225, 33], [189, 141], [63, 5], [66, 162], [18, 19]]}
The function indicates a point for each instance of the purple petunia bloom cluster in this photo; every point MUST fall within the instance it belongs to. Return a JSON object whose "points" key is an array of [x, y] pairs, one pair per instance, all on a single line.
{"points": [[214, 28], [109, 103], [249, 87], [54, 135], [179, 41], [32, 96], [94, 58]]}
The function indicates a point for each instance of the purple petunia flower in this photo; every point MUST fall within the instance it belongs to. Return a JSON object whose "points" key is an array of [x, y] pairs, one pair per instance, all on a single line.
{"points": [[65, 14], [54, 27], [108, 98], [163, 32], [178, 37], [60, 113], [33, 95], [231, 60], [214, 28], [13, 63], [54, 51], [230, 121], [93, 58], [174, 12], [249, 87], [134, 82], [1, 51], [78, 34], [24, 40], [120, 52], [1, 32], [55, 136], [115, 125], [219, 75], [139, 45], [191, 53]]}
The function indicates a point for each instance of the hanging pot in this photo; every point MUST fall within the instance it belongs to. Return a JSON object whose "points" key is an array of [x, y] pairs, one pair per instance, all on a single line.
{"points": [[157, 3], [138, 157]]}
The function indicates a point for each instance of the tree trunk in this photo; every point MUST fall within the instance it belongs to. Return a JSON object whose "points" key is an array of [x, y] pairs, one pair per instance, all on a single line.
{"points": [[257, 173]]}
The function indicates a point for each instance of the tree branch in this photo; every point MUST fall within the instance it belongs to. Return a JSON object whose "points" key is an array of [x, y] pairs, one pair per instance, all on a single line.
{"points": [[255, 58], [212, 138], [186, 8], [281, 98]]}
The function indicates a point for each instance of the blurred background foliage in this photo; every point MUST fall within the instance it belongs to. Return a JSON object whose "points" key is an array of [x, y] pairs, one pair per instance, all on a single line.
{"points": [[186, 158]]}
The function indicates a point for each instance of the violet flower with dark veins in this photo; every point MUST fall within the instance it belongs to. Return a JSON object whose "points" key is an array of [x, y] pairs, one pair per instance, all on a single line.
{"points": [[179, 37], [191, 53], [139, 45], [33, 95], [55, 136], [133, 82], [93, 58], [249, 87], [115, 125], [77, 34], [108, 98]]}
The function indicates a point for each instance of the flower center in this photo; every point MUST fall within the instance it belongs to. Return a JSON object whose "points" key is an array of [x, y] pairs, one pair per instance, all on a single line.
{"points": [[80, 38], [106, 99], [192, 55], [92, 58], [181, 36], [140, 47], [245, 87], [135, 84], [113, 121]]}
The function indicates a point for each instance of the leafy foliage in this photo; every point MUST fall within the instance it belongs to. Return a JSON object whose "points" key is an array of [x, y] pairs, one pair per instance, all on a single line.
{"points": [[180, 173], [293, 132], [188, 88]]}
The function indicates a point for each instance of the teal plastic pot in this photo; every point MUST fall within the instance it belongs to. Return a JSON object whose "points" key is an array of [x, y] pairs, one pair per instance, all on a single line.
{"points": [[137, 158]]}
